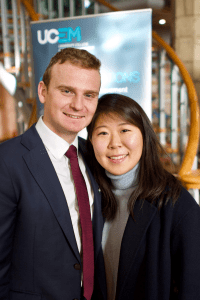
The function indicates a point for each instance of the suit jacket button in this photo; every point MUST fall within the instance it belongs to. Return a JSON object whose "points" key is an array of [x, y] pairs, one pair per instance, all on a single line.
{"points": [[77, 266]]}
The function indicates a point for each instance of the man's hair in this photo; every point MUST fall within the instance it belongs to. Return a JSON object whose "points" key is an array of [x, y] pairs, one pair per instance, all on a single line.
{"points": [[155, 184], [78, 57]]}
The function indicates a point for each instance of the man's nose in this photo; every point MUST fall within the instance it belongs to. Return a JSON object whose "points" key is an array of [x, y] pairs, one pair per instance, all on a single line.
{"points": [[77, 102]]}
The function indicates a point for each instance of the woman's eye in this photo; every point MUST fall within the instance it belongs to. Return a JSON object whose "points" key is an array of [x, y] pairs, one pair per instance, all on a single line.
{"points": [[102, 133], [125, 130]]}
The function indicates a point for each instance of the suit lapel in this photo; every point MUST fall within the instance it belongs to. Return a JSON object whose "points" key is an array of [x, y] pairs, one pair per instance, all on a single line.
{"points": [[132, 239], [39, 164]]}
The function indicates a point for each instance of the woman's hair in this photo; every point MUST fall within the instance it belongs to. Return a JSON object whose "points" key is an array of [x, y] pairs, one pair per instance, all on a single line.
{"points": [[155, 184]]}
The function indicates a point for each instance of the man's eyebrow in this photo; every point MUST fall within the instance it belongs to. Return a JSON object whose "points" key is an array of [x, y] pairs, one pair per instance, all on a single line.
{"points": [[65, 87], [92, 92], [74, 89]]}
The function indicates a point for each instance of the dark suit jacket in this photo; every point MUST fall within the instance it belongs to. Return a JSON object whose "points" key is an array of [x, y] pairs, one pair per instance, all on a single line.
{"points": [[160, 254], [38, 250]]}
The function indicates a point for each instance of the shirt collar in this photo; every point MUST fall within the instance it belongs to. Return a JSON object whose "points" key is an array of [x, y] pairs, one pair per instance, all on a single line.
{"points": [[54, 143]]}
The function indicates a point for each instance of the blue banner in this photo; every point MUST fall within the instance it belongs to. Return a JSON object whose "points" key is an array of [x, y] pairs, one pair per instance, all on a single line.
{"points": [[121, 40]]}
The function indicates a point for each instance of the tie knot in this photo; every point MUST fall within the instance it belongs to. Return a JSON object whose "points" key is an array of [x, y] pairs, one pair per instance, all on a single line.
{"points": [[71, 152]]}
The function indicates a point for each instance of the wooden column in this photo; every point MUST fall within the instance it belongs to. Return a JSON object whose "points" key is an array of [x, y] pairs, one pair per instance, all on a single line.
{"points": [[8, 119]]}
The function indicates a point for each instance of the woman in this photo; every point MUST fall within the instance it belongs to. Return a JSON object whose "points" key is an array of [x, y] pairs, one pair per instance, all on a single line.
{"points": [[151, 239]]}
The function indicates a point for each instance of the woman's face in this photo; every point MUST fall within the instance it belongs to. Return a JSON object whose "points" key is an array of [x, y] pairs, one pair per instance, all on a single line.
{"points": [[117, 144]]}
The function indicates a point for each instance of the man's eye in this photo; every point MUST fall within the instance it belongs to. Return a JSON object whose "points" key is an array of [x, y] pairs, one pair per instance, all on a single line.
{"points": [[65, 91]]}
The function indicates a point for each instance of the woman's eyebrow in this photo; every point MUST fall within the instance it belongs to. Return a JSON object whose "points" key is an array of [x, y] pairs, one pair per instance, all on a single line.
{"points": [[124, 123], [100, 126], [120, 124]]}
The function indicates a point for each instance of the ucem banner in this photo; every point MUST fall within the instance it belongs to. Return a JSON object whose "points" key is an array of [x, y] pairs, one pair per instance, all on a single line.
{"points": [[121, 40]]}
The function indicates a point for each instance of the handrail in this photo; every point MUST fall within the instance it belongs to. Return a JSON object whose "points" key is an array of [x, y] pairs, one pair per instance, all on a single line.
{"points": [[32, 13], [33, 117], [193, 139], [34, 17], [105, 3]]}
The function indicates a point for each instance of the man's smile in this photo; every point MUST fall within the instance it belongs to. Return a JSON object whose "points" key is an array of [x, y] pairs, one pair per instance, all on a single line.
{"points": [[73, 116]]}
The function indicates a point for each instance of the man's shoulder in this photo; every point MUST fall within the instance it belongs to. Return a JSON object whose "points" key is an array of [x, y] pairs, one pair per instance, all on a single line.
{"points": [[13, 145], [9, 144]]}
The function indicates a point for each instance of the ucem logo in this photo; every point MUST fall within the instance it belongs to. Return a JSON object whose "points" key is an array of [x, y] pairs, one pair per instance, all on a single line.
{"points": [[122, 77], [60, 35]]}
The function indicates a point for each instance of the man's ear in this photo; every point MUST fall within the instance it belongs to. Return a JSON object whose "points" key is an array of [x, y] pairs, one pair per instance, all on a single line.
{"points": [[42, 91]]}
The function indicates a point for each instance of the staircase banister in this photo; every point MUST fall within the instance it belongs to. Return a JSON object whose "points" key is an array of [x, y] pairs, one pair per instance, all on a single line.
{"points": [[193, 138], [34, 17], [32, 13], [105, 3]]}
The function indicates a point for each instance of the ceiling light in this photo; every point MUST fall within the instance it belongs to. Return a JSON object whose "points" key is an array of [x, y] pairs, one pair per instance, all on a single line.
{"points": [[162, 21], [20, 104], [87, 3]]}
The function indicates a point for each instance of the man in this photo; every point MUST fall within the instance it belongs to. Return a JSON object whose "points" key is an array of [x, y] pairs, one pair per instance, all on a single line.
{"points": [[40, 239]]}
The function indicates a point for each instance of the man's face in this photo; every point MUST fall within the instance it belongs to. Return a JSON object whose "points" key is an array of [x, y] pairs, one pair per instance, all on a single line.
{"points": [[71, 99]]}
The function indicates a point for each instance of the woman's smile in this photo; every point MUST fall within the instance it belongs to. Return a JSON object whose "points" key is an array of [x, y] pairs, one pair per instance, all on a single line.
{"points": [[118, 158]]}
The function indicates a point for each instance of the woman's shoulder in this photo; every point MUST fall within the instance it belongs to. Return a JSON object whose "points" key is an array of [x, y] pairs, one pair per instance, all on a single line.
{"points": [[185, 201], [185, 208], [180, 206]]}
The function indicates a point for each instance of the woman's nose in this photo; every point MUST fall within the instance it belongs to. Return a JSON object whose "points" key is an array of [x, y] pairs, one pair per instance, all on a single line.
{"points": [[115, 141]]}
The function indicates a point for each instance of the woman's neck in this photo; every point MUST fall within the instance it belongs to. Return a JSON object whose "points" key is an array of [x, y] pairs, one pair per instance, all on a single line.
{"points": [[124, 181]]}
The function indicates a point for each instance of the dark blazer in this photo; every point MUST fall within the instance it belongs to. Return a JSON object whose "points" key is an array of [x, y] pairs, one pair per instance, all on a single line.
{"points": [[39, 258], [160, 254]]}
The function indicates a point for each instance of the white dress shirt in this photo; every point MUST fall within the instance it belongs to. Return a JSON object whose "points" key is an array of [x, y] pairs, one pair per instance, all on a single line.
{"points": [[56, 148]]}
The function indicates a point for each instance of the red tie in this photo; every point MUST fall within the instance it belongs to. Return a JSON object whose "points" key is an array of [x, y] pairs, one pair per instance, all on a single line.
{"points": [[86, 223]]}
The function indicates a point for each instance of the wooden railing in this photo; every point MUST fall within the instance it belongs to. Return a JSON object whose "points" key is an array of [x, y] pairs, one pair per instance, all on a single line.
{"points": [[193, 139], [33, 15]]}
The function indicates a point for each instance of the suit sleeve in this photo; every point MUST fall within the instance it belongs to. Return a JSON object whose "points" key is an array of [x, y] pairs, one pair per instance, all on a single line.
{"points": [[8, 208], [186, 254]]}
